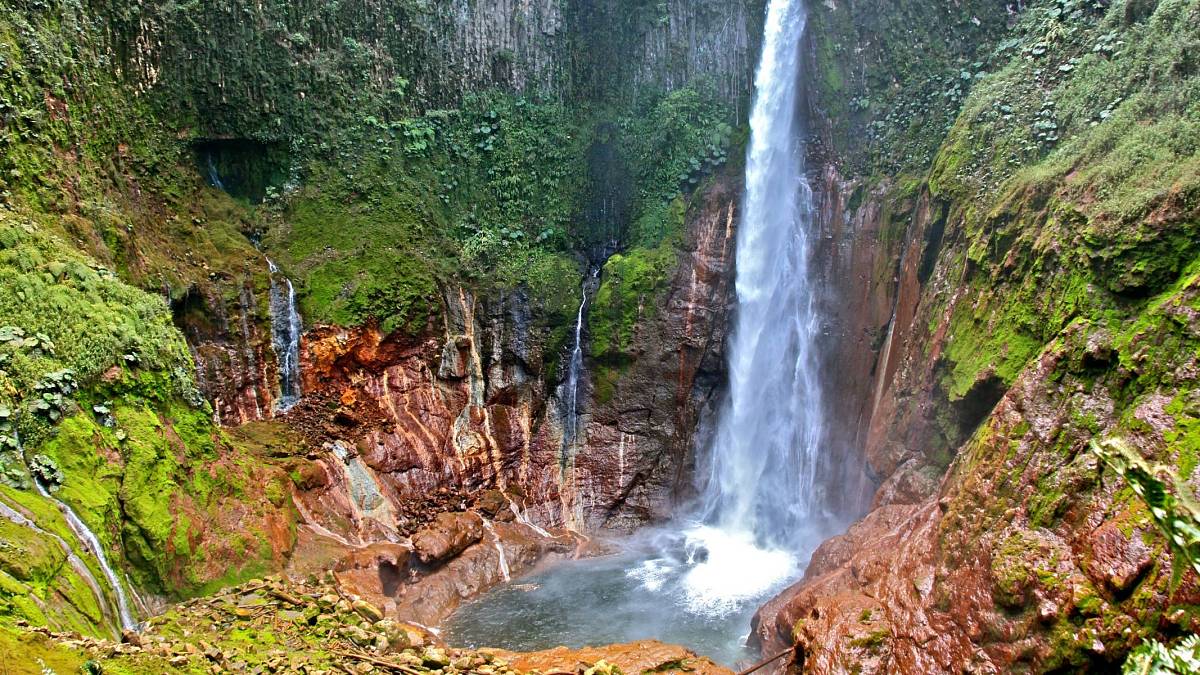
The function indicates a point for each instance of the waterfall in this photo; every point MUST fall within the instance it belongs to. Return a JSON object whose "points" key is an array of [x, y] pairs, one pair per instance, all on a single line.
{"points": [[73, 560], [89, 541], [575, 370], [767, 455], [499, 546], [768, 474], [285, 338], [214, 177]]}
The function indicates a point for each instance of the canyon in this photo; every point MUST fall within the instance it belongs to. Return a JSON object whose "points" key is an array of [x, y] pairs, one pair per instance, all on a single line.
{"points": [[494, 331]]}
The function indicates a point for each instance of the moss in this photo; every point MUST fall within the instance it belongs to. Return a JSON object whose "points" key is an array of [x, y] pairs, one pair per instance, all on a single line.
{"points": [[37, 583], [872, 641], [888, 78], [977, 349], [1184, 439], [26, 653], [628, 292]]}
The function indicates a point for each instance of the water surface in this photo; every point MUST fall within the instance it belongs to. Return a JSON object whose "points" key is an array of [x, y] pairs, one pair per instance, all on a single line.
{"points": [[697, 588]]}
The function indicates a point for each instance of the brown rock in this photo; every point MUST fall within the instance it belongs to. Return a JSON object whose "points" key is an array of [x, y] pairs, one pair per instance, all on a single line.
{"points": [[367, 611], [448, 536], [634, 657], [492, 503], [1118, 560]]}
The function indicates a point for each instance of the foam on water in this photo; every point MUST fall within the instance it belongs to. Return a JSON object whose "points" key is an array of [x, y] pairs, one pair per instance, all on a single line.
{"points": [[735, 571]]}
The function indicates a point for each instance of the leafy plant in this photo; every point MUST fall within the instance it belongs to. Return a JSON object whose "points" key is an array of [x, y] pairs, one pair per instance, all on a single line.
{"points": [[1172, 506], [1154, 658], [46, 472]]}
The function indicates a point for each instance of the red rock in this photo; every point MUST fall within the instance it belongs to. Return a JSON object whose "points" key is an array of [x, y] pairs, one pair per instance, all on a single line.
{"points": [[643, 656], [448, 536], [1117, 560]]}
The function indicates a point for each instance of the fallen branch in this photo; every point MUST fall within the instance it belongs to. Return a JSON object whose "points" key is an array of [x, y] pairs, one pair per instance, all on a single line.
{"points": [[378, 662], [764, 662], [286, 597]]}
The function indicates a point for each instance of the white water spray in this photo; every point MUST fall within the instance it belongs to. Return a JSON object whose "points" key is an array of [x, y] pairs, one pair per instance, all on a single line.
{"points": [[286, 329]]}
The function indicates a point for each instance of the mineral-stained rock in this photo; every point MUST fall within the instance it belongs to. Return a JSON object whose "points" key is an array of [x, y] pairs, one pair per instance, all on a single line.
{"points": [[643, 656], [448, 536], [1118, 559], [431, 597]]}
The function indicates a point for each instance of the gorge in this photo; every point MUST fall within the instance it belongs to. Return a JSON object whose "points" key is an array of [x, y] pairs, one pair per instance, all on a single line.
{"points": [[427, 337]]}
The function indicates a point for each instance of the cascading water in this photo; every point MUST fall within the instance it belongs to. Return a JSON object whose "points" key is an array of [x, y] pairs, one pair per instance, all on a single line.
{"points": [[92, 543], [285, 338], [214, 177], [765, 478], [575, 371], [73, 560], [502, 557], [766, 458]]}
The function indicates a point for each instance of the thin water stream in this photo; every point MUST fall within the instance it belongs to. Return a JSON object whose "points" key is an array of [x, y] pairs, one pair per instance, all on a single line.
{"points": [[286, 329], [91, 543]]}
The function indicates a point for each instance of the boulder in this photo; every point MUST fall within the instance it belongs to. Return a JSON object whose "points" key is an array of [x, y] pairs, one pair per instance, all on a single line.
{"points": [[449, 535]]}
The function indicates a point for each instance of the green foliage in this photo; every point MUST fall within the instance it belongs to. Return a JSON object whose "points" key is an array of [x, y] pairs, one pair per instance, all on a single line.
{"points": [[1113, 90], [67, 321], [889, 77], [486, 194], [1154, 658], [38, 583], [671, 144], [309, 72], [1074, 172], [1168, 497], [629, 287]]}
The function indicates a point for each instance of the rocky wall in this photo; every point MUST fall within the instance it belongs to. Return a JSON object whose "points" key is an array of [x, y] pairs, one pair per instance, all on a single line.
{"points": [[1015, 305]]}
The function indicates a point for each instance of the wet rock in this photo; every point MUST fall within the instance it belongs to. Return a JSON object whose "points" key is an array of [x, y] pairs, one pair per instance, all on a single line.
{"points": [[493, 504], [367, 611], [635, 657], [1118, 560], [449, 535], [432, 597]]}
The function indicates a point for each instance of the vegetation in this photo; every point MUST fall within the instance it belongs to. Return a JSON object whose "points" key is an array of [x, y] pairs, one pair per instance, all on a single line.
{"points": [[375, 180]]}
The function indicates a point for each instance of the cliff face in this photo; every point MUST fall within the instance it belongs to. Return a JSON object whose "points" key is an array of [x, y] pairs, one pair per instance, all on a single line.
{"points": [[1028, 295], [418, 176], [474, 405], [646, 408]]}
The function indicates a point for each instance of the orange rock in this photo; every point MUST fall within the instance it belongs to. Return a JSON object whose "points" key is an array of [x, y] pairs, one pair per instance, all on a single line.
{"points": [[633, 657]]}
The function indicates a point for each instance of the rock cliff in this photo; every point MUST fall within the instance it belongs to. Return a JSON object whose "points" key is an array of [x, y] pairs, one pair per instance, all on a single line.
{"points": [[1011, 299]]}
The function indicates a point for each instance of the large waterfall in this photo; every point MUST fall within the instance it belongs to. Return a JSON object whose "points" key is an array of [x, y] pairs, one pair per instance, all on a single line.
{"points": [[764, 488], [766, 458]]}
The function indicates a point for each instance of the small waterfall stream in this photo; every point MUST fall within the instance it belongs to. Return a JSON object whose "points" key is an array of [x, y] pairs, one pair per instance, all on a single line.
{"points": [[89, 541], [499, 546], [575, 368], [286, 329], [75, 561], [214, 177]]}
